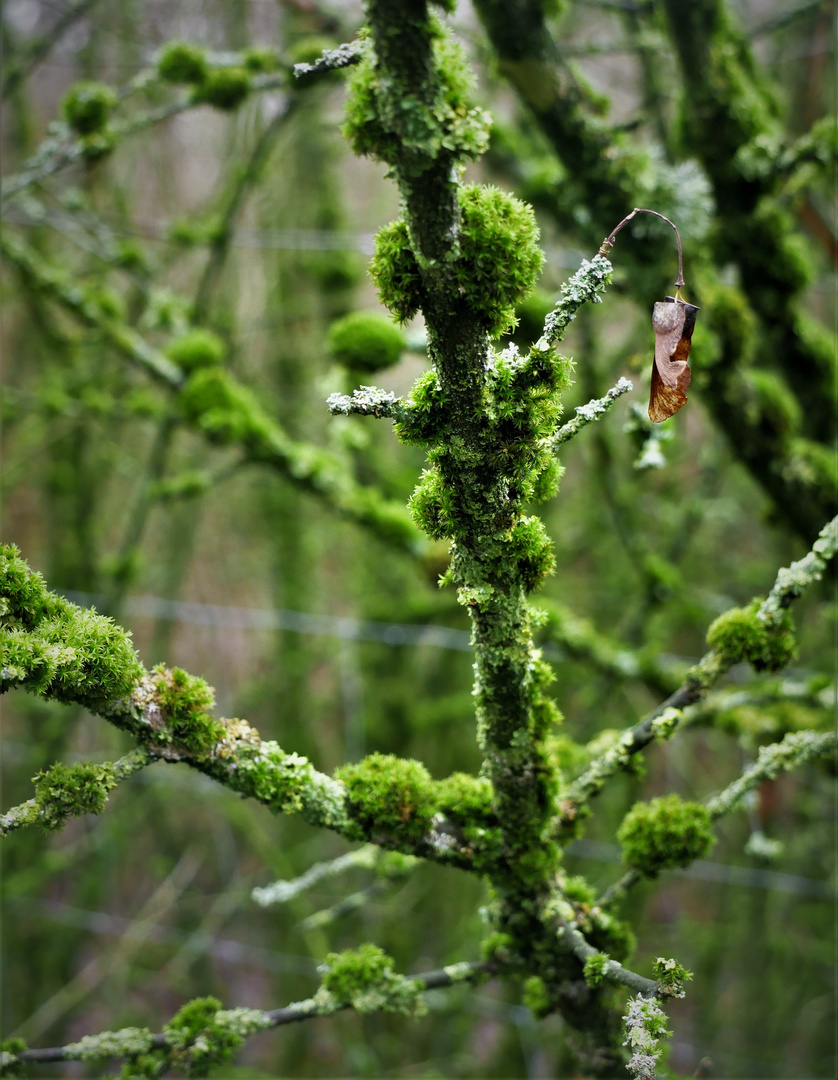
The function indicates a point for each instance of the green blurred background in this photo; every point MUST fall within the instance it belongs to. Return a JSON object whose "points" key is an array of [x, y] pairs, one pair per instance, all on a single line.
{"points": [[118, 919]]}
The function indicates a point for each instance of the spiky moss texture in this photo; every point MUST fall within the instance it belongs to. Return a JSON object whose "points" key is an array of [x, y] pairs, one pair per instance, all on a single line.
{"points": [[65, 791], [665, 833], [498, 264], [54, 648]]}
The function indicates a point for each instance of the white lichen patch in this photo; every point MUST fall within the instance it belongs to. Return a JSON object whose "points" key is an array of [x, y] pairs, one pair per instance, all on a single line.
{"points": [[127, 1042]]}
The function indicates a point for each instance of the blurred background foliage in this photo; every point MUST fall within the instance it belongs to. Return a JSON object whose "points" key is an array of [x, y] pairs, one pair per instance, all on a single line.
{"points": [[256, 223]]}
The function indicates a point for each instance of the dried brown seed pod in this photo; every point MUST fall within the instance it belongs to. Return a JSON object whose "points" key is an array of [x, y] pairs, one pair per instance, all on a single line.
{"points": [[673, 321]]}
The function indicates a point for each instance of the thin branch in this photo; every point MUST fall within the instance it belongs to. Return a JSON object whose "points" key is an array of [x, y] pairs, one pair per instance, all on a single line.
{"points": [[368, 401], [662, 722], [611, 970], [98, 1047], [18, 67], [32, 811], [345, 55], [280, 892], [608, 243], [586, 414]]}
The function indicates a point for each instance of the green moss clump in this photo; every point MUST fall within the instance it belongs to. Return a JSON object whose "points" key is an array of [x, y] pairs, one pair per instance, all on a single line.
{"points": [[87, 107], [500, 257], [365, 979], [440, 123], [65, 791], [465, 798], [664, 833], [530, 549], [431, 505], [365, 341], [213, 400], [594, 970], [395, 272], [183, 62], [187, 702], [535, 997], [24, 596], [261, 59], [197, 1040], [428, 417], [742, 637], [224, 88], [355, 971], [390, 794], [9, 1051], [197, 348]]}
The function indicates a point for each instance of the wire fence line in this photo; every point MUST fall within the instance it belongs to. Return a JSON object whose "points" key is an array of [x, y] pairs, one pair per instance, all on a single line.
{"points": [[344, 627]]}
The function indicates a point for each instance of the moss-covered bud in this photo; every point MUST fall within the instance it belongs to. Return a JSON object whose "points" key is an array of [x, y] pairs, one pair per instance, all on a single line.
{"points": [[87, 106], [187, 702], [364, 978], [365, 341], [536, 997], [595, 968], [224, 88], [665, 833], [500, 257], [388, 793], [672, 976], [65, 791], [740, 635], [430, 505], [395, 272], [183, 62], [198, 348]]}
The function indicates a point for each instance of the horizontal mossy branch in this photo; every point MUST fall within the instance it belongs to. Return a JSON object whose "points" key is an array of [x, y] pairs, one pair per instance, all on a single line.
{"points": [[369, 401], [55, 649], [223, 1030], [758, 634], [66, 791]]}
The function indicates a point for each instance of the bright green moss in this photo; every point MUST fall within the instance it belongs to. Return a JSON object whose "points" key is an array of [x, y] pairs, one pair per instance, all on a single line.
{"points": [[438, 123], [395, 272], [428, 417], [465, 798], [187, 702], [741, 636], [664, 833], [365, 341], [535, 997], [197, 348], [531, 552], [430, 505], [65, 791], [95, 659], [24, 597], [197, 1041], [391, 794], [224, 88], [87, 107], [365, 979], [183, 62], [595, 967], [500, 257], [219, 406]]}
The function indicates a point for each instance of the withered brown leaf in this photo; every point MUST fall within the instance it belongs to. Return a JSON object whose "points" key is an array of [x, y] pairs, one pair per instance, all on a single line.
{"points": [[673, 321]]}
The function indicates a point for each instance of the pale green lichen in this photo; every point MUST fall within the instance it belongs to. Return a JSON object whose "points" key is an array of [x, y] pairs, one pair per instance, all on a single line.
{"points": [[645, 1024], [127, 1042]]}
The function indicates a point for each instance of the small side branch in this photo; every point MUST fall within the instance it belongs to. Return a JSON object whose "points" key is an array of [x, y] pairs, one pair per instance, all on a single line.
{"points": [[795, 749], [280, 892], [368, 401], [609, 969], [241, 1022], [344, 55], [587, 414]]}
